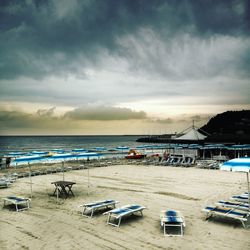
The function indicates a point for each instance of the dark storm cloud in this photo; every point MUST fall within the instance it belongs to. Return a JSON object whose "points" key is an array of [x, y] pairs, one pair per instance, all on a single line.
{"points": [[12, 119], [44, 38], [45, 118]]}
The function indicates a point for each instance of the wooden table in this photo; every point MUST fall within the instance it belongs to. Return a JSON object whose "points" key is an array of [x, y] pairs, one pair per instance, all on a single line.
{"points": [[63, 188]]}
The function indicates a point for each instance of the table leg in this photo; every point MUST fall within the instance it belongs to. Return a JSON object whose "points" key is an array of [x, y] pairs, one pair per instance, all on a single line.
{"points": [[64, 192], [70, 190]]}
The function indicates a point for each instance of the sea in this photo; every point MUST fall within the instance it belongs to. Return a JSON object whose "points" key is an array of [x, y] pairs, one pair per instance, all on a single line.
{"points": [[47, 143], [34, 149], [23, 150]]}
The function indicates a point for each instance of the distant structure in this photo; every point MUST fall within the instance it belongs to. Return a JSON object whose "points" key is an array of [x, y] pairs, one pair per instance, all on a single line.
{"points": [[230, 127], [191, 134]]}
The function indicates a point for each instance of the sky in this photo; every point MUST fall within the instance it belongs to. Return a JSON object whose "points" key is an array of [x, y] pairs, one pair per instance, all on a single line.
{"points": [[92, 67]]}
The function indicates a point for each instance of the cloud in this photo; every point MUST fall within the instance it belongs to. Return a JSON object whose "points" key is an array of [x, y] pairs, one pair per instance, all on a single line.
{"points": [[47, 117], [41, 38], [162, 121], [104, 114], [156, 56], [81, 121], [15, 118], [19, 119], [46, 112], [186, 56]]}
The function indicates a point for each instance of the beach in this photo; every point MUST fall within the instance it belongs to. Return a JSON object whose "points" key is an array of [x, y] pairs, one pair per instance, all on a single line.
{"points": [[58, 224]]}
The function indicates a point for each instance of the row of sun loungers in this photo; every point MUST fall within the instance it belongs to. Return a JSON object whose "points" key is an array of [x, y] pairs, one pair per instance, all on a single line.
{"points": [[168, 218], [174, 160], [237, 209], [208, 164], [115, 215], [7, 180], [66, 168]]}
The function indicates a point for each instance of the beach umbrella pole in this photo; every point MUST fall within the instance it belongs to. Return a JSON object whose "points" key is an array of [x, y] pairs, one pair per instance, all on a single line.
{"points": [[248, 189], [63, 169], [88, 181], [57, 195], [30, 180]]}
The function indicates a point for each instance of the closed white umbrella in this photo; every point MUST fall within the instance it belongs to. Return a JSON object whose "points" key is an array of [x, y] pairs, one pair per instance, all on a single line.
{"points": [[239, 165]]}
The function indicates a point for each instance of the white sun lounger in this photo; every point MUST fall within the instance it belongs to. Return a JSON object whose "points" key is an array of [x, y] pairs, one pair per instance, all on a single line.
{"points": [[234, 204], [241, 216], [17, 201], [90, 208], [4, 183], [118, 213], [172, 218]]}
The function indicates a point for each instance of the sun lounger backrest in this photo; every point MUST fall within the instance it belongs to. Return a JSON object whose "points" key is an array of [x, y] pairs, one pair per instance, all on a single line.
{"points": [[171, 213], [133, 207]]}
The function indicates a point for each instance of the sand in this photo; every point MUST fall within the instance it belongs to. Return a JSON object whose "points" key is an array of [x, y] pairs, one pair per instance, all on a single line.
{"points": [[59, 225]]}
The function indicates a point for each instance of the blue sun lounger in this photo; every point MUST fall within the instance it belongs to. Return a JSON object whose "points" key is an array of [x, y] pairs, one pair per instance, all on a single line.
{"points": [[243, 217], [234, 204], [90, 208], [118, 213], [17, 201], [172, 218], [240, 198]]}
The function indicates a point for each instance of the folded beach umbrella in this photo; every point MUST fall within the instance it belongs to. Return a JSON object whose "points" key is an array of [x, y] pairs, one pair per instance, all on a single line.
{"points": [[239, 165]]}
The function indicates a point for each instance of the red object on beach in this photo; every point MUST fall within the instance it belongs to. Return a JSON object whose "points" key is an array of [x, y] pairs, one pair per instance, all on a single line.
{"points": [[132, 154], [138, 156]]}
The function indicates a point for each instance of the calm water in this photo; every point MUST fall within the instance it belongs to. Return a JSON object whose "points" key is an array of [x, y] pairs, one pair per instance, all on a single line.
{"points": [[46, 143]]}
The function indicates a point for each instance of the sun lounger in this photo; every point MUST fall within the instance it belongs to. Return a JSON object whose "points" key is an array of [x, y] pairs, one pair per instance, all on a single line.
{"points": [[4, 183], [17, 201], [90, 208], [172, 218], [240, 198], [118, 213], [169, 161], [189, 162], [234, 204], [178, 161], [228, 213]]}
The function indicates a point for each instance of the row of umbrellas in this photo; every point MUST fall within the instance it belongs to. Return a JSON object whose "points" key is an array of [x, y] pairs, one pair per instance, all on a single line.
{"points": [[145, 147]]}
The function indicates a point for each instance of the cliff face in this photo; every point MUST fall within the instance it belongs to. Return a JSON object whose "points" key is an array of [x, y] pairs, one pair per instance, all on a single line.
{"points": [[229, 126]]}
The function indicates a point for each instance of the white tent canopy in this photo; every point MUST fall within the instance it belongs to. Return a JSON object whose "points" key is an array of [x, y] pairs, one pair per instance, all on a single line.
{"points": [[191, 134]]}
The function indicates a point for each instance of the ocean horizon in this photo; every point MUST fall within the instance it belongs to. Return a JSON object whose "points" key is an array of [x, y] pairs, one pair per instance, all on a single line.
{"points": [[26, 143]]}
